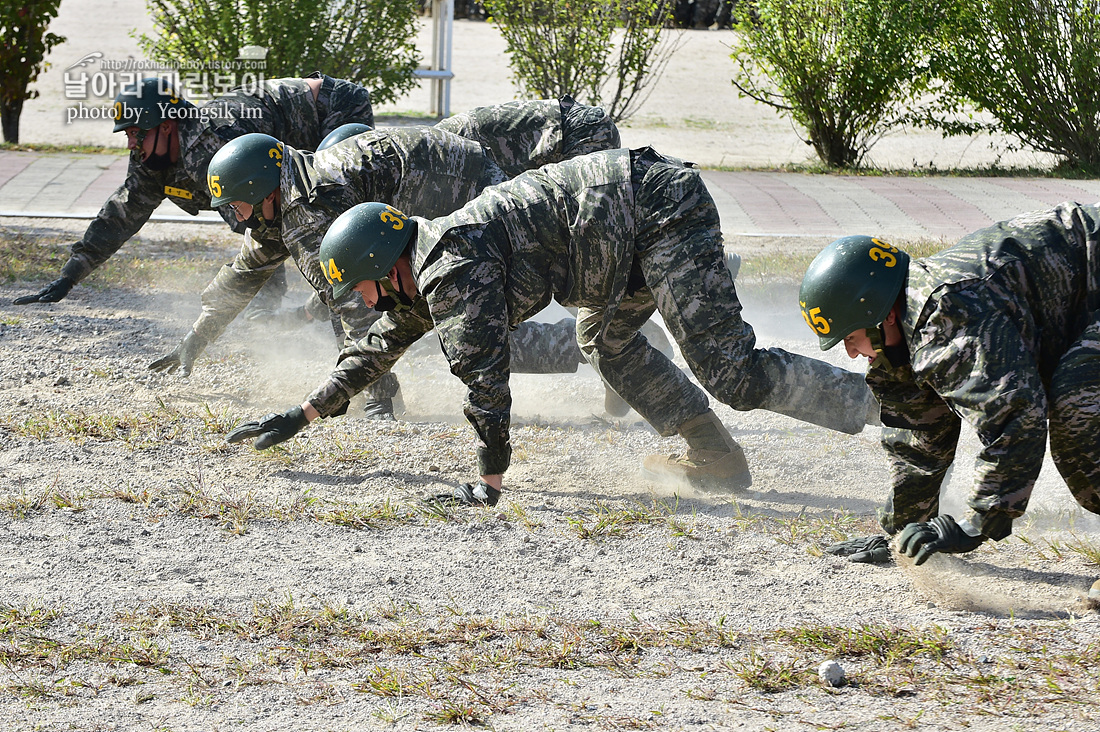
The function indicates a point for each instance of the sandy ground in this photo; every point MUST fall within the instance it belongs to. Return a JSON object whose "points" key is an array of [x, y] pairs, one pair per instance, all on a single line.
{"points": [[155, 578]]}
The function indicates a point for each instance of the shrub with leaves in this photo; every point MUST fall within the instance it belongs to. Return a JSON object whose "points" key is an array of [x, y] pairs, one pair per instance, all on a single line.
{"points": [[845, 71], [602, 52], [22, 56], [367, 41], [1033, 65]]}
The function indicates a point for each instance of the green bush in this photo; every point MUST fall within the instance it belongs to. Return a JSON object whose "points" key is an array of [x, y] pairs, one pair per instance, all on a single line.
{"points": [[1033, 65], [559, 47], [846, 71], [23, 50], [367, 41]]}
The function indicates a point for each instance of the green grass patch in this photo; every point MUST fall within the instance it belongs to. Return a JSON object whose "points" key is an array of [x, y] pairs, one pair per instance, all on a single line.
{"points": [[790, 266], [459, 666], [184, 264], [31, 257], [41, 147]]}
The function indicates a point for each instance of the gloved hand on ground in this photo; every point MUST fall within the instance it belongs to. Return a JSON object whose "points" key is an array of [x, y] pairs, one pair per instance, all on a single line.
{"points": [[52, 292], [271, 430], [867, 549], [182, 356], [921, 540]]}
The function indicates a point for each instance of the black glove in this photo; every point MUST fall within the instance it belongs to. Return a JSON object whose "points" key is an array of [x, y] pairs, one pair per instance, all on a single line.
{"points": [[867, 549], [182, 356], [52, 292], [272, 429], [470, 494], [922, 539]]}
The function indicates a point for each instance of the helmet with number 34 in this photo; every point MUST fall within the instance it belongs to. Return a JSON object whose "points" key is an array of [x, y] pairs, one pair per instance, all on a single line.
{"points": [[364, 243], [246, 169], [851, 285]]}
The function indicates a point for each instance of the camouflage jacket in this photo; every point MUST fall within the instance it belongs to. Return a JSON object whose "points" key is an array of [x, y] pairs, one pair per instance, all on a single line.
{"points": [[412, 168], [986, 322], [522, 136], [283, 108], [564, 231]]}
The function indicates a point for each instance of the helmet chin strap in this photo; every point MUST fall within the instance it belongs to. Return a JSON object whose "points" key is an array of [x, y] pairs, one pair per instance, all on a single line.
{"points": [[877, 337]]}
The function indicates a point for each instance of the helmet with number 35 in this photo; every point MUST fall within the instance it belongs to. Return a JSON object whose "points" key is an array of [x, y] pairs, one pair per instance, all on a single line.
{"points": [[245, 169], [851, 285], [364, 243]]}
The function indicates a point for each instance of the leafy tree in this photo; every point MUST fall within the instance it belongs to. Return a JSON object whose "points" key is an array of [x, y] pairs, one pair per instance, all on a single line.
{"points": [[559, 47], [22, 56], [845, 71], [1034, 65], [367, 41]]}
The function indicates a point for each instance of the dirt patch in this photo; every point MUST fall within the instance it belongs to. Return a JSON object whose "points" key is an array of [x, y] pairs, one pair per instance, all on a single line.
{"points": [[157, 578]]}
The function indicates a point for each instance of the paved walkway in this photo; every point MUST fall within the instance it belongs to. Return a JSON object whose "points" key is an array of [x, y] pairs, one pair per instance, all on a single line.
{"points": [[751, 203]]}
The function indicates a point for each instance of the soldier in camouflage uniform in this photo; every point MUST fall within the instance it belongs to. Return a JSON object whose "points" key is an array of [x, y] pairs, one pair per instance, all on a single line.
{"points": [[508, 138], [1002, 330], [298, 196], [172, 142], [619, 234], [521, 136]]}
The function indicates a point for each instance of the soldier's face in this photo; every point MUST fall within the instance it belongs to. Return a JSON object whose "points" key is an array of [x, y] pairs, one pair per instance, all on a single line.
{"points": [[858, 344], [156, 141], [135, 136], [368, 290], [242, 210]]}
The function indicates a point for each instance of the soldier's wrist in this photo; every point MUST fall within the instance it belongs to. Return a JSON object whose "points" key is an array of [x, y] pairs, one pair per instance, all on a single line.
{"points": [[969, 528]]}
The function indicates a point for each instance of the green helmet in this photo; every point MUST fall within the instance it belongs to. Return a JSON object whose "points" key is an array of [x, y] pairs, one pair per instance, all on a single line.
{"points": [[363, 243], [851, 284], [342, 133], [139, 105], [245, 169]]}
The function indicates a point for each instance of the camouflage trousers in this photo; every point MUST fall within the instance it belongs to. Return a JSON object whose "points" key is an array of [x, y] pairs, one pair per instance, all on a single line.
{"points": [[1074, 422], [585, 129], [679, 253], [341, 102]]}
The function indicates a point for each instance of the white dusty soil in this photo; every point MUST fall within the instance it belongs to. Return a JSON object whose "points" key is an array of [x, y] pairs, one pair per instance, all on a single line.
{"points": [[154, 533], [200, 586]]}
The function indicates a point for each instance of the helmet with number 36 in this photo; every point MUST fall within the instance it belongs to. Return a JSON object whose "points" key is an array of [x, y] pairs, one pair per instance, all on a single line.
{"points": [[246, 169], [364, 243], [850, 285]]}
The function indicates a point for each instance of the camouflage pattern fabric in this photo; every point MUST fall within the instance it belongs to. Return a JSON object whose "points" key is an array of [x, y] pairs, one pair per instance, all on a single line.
{"points": [[414, 168], [1002, 331], [283, 108], [521, 136], [410, 168], [577, 232]]}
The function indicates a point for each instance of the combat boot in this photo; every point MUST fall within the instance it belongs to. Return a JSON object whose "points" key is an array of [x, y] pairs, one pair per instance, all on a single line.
{"points": [[713, 460], [380, 397], [614, 404]]}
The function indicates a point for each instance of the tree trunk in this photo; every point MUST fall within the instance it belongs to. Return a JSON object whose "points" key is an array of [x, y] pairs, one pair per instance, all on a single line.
{"points": [[9, 120]]}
